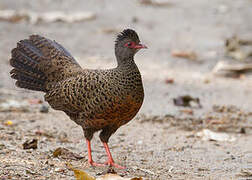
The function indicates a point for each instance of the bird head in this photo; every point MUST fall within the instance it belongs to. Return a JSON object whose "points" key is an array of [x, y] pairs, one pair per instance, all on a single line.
{"points": [[127, 44]]}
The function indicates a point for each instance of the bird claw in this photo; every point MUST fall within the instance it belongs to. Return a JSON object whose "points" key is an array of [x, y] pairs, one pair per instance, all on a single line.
{"points": [[108, 163], [92, 163], [112, 164]]}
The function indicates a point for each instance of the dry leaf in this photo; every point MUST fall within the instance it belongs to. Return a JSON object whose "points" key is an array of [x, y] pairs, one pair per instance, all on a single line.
{"points": [[66, 154], [48, 17], [115, 177], [110, 30], [35, 101], [31, 144], [184, 54], [155, 3], [80, 175], [238, 55], [246, 172], [11, 16], [187, 111], [208, 135], [238, 49], [186, 101], [43, 133], [65, 17], [228, 69], [169, 81]]}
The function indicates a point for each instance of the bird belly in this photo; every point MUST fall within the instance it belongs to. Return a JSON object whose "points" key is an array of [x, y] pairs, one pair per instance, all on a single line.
{"points": [[118, 113]]}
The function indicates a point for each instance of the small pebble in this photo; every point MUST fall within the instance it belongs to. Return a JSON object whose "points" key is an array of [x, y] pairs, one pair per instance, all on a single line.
{"points": [[58, 169], [44, 109], [140, 142]]}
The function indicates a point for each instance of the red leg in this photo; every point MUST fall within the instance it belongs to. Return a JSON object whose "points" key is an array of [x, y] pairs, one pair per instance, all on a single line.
{"points": [[90, 160], [110, 161]]}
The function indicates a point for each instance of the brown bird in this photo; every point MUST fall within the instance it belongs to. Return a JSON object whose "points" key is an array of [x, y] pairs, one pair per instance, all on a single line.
{"points": [[94, 99]]}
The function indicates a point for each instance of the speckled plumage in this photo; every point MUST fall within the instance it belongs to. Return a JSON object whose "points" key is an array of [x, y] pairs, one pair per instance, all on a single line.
{"points": [[94, 99]]}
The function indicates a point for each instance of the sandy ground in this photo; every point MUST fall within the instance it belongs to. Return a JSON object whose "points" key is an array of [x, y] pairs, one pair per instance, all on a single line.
{"points": [[161, 142]]}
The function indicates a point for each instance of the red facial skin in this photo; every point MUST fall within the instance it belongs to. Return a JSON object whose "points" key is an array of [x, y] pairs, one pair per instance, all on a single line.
{"points": [[133, 45]]}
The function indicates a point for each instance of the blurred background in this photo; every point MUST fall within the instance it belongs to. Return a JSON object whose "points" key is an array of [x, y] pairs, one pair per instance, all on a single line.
{"points": [[199, 52], [197, 30]]}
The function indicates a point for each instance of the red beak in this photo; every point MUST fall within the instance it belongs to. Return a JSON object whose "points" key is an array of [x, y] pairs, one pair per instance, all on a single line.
{"points": [[140, 46]]}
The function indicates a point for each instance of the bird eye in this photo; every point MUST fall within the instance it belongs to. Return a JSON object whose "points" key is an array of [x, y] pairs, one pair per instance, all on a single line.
{"points": [[129, 44]]}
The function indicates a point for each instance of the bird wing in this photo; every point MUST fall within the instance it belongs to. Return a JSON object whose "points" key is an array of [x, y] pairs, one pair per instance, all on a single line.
{"points": [[81, 93]]}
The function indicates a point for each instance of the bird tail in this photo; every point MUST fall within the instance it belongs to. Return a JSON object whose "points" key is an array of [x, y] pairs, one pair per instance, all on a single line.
{"points": [[40, 63], [25, 59]]}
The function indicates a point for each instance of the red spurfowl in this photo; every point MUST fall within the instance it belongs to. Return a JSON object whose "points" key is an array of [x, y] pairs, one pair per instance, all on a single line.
{"points": [[94, 99]]}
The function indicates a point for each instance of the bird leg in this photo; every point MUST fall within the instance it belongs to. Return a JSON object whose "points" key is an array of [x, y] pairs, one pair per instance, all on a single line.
{"points": [[110, 161], [90, 160]]}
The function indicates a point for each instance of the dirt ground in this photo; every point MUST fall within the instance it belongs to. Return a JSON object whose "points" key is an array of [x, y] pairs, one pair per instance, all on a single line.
{"points": [[162, 141]]}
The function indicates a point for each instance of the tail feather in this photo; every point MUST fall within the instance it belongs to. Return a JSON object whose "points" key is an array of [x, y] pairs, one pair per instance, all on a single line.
{"points": [[25, 60], [26, 68], [28, 85], [39, 63], [22, 76], [28, 81]]}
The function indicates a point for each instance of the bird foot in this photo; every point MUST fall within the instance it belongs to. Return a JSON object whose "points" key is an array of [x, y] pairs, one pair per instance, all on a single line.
{"points": [[111, 163], [92, 163], [108, 163]]}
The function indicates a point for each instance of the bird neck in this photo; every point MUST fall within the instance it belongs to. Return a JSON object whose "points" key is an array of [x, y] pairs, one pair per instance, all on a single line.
{"points": [[124, 57], [127, 62]]}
